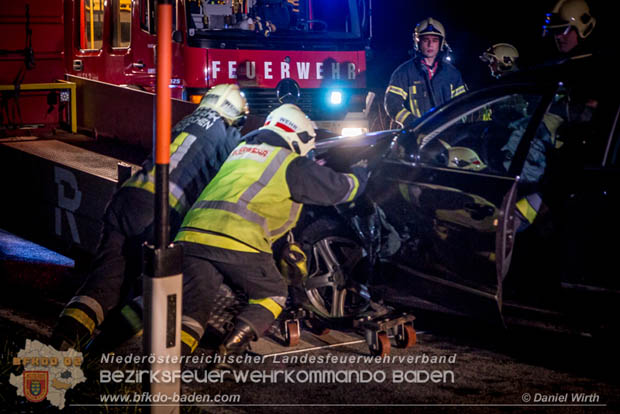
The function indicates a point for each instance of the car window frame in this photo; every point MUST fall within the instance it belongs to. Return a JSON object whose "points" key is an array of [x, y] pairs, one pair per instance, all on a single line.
{"points": [[434, 122], [612, 149]]}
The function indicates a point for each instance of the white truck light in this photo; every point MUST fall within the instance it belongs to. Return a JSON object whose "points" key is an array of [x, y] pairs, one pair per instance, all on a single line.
{"points": [[335, 98]]}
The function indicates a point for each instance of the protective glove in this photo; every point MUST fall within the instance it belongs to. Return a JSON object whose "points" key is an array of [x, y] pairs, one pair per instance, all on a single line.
{"points": [[362, 171]]}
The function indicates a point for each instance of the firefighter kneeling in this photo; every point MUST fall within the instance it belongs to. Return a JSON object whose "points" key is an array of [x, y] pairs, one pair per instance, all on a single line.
{"points": [[255, 199], [202, 142]]}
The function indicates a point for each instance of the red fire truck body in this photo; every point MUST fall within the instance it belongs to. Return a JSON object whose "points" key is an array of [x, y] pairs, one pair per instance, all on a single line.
{"points": [[89, 66], [319, 44]]}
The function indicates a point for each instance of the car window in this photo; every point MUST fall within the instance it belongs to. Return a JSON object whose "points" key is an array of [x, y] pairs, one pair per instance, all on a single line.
{"points": [[482, 139], [573, 133]]}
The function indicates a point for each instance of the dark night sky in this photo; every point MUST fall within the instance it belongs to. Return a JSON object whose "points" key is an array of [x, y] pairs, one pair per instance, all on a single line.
{"points": [[472, 26]]}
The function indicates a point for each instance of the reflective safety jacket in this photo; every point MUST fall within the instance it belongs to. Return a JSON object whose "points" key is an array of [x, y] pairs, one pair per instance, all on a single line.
{"points": [[202, 143], [411, 93], [258, 194]]}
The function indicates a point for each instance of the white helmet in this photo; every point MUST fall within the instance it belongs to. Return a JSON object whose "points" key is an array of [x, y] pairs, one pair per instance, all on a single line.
{"points": [[289, 122], [501, 57], [570, 13], [227, 100], [429, 26]]}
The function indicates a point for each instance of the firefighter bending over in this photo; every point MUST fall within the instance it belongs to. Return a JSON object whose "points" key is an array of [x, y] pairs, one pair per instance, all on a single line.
{"points": [[426, 80], [255, 199], [202, 142]]}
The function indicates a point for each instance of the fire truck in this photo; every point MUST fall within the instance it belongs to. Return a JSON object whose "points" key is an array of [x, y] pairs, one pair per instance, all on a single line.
{"points": [[308, 52], [77, 79]]}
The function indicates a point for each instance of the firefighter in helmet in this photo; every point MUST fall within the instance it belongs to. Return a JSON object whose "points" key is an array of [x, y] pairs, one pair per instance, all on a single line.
{"points": [[502, 59], [571, 25], [255, 199], [202, 142], [425, 81]]}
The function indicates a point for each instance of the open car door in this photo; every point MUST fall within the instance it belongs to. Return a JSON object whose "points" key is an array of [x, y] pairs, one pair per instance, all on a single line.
{"points": [[446, 190]]}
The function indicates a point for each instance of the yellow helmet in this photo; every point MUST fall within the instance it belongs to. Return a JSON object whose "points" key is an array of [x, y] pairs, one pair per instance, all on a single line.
{"points": [[289, 122], [570, 13], [501, 57], [228, 101], [465, 159], [429, 26]]}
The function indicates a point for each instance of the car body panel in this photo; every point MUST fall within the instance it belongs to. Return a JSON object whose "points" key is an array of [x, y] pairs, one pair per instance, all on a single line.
{"points": [[450, 232]]}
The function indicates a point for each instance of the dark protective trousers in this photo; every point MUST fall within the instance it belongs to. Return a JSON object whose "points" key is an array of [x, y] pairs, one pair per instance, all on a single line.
{"points": [[115, 271], [256, 274], [128, 223]]}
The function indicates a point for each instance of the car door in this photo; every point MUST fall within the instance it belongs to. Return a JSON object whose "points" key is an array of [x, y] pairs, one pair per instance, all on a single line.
{"points": [[583, 199], [446, 191]]}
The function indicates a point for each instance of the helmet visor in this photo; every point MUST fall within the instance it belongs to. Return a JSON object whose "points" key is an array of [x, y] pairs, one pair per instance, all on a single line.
{"points": [[555, 25], [488, 57]]}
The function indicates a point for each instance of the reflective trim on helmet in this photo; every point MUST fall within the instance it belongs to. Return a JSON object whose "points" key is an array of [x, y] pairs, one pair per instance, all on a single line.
{"points": [[283, 127]]}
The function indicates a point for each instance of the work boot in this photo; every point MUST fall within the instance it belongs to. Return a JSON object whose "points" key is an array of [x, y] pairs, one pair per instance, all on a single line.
{"points": [[234, 344], [118, 328]]}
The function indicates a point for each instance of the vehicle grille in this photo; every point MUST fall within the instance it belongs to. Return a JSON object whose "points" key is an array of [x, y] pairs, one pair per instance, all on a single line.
{"points": [[263, 101]]}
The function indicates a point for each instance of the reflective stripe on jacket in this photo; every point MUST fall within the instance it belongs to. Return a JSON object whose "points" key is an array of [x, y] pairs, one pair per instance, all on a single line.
{"points": [[411, 93], [202, 141], [248, 203]]}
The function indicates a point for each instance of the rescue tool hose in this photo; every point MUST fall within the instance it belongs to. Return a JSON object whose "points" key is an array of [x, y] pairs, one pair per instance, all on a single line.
{"points": [[162, 144]]}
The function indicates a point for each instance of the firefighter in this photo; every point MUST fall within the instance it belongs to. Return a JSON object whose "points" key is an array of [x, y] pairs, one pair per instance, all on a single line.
{"points": [[255, 198], [202, 142], [572, 26], [502, 59], [425, 81]]}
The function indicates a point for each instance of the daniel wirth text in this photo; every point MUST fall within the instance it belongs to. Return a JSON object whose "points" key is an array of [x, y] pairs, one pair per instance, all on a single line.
{"points": [[575, 398]]}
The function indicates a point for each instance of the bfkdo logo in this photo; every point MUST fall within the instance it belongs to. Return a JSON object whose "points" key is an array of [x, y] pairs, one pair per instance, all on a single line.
{"points": [[35, 385]]}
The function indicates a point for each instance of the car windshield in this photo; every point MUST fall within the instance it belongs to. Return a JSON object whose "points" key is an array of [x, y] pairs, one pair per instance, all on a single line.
{"points": [[299, 20]]}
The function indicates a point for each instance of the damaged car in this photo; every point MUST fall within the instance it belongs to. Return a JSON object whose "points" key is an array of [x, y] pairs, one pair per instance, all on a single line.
{"points": [[502, 204]]}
